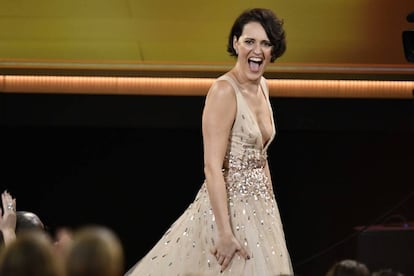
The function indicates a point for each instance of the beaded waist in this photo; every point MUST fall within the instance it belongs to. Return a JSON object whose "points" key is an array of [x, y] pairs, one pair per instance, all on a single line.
{"points": [[251, 159], [245, 176]]}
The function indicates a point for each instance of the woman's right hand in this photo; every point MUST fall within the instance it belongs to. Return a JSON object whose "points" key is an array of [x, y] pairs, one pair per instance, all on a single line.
{"points": [[225, 249]]}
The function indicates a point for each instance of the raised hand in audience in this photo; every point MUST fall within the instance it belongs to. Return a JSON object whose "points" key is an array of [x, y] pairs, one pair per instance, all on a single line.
{"points": [[8, 217]]}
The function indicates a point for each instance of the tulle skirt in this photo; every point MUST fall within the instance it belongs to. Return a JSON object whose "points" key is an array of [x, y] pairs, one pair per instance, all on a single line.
{"points": [[185, 248]]}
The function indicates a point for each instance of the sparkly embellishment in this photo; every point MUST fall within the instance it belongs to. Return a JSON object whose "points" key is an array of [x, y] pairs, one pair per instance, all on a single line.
{"points": [[246, 177], [245, 242]]}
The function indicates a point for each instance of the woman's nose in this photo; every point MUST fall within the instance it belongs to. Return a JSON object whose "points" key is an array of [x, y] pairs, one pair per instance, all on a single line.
{"points": [[257, 48]]}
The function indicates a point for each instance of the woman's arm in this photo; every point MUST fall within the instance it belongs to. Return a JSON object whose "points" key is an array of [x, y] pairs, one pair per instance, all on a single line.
{"points": [[218, 118]]}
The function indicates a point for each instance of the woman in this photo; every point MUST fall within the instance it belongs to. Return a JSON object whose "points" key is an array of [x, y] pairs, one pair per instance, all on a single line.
{"points": [[233, 226]]}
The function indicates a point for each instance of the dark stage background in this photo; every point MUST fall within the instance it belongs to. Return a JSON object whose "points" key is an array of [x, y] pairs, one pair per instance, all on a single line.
{"points": [[134, 163]]}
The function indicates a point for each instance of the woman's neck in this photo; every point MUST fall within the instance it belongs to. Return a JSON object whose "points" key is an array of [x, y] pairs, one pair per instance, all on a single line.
{"points": [[246, 85]]}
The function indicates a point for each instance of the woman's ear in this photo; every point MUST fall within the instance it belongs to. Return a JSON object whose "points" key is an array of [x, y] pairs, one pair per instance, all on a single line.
{"points": [[235, 45]]}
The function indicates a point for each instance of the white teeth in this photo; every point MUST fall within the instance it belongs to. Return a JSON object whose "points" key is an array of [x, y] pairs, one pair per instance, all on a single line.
{"points": [[256, 59]]}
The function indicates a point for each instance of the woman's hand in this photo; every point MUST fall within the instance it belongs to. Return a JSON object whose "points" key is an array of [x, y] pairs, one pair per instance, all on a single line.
{"points": [[227, 246]]}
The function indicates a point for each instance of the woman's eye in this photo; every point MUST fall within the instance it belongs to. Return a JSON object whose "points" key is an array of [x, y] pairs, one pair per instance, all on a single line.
{"points": [[267, 44]]}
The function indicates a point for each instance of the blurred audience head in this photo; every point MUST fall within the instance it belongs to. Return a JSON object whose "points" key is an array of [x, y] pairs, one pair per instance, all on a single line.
{"points": [[95, 251], [28, 221], [63, 241], [31, 253], [348, 267], [387, 272]]}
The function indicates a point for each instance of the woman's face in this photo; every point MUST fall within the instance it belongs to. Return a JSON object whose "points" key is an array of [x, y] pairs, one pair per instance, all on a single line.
{"points": [[254, 50]]}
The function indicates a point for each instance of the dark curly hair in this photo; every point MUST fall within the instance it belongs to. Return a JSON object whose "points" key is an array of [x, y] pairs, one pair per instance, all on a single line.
{"points": [[270, 22]]}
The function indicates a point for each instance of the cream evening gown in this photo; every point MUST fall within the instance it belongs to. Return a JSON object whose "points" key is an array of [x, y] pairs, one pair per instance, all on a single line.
{"points": [[184, 249]]}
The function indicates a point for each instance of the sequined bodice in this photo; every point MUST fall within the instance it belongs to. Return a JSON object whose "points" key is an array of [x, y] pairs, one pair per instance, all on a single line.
{"points": [[246, 153]]}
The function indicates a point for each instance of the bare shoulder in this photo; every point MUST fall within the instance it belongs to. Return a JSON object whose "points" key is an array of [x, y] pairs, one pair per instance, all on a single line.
{"points": [[220, 106], [221, 91]]}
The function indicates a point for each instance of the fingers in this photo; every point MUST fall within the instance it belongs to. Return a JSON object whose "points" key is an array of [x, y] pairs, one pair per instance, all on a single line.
{"points": [[243, 253], [221, 260], [3, 200], [224, 259], [9, 203]]}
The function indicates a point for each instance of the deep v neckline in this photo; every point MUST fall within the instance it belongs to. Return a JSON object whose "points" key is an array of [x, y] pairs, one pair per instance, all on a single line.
{"points": [[263, 143], [236, 88]]}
